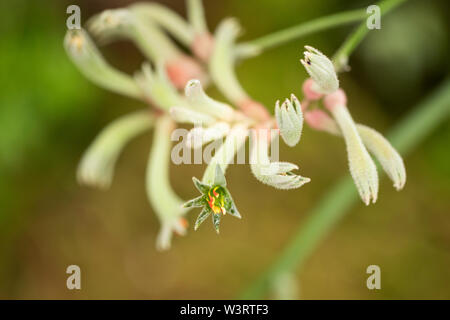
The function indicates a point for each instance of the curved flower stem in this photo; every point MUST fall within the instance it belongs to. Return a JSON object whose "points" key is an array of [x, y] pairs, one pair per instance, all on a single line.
{"points": [[334, 20], [340, 59], [405, 137], [280, 37]]}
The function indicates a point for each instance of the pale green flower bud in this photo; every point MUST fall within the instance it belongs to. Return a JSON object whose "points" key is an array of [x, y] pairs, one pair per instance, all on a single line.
{"points": [[96, 168], [379, 146], [290, 120], [321, 70], [91, 63]]}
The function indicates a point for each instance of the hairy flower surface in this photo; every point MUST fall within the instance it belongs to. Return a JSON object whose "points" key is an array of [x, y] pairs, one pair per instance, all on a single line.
{"points": [[389, 158], [376, 144], [362, 167], [321, 70], [276, 174], [290, 120]]}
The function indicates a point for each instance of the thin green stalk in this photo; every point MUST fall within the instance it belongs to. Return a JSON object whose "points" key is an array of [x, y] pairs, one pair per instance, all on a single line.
{"points": [[341, 57], [405, 137], [295, 32]]}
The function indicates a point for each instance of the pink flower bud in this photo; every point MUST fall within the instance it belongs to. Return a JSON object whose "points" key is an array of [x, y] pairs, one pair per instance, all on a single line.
{"points": [[183, 69], [320, 120], [308, 90], [337, 98], [203, 46], [254, 110]]}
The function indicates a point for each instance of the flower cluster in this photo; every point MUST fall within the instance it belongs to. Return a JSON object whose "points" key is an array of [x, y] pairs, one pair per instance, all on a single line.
{"points": [[173, 83], [359, 139]]}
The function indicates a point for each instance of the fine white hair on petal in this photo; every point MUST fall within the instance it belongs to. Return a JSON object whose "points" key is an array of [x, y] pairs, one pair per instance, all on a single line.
{"points": [[362, 167], [389, 158], [321, 70], [275, 174], [375, 142], [289, 119]]}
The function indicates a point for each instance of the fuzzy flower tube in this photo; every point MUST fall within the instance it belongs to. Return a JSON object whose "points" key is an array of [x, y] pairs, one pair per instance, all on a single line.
{"points": [[359, 139]]}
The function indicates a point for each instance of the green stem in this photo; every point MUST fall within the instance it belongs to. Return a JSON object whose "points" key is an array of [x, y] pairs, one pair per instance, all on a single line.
{"points": [[405, 137], [341, 57], [295, 32]]}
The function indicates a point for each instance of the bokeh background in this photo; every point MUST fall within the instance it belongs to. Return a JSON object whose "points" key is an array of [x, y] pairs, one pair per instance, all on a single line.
{"points": [[49, 114]]}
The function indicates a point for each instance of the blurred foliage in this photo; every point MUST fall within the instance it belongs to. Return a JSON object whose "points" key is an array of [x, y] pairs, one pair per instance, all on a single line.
{"points": [[49, 113]]}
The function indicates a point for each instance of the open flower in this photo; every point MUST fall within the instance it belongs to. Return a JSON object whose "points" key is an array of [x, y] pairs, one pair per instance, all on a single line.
{"points": [[215, 199], [276, 174], [321, 70], [289, 120]]}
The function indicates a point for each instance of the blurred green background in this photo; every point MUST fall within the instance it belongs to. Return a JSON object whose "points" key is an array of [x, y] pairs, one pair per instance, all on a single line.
{"points": [[49, 114]]}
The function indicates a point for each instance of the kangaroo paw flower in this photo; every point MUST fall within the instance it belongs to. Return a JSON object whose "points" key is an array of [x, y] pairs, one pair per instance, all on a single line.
{"points": [[389, 158], [201, 102], [362, 167], [321, 70], [166, 204], [376, 144], [275, 174], [96, 168], [289, 120]]}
